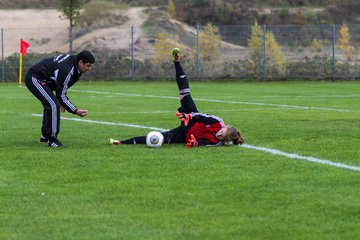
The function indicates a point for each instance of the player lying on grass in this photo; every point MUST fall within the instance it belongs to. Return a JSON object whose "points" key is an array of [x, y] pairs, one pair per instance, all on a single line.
{"points": [[196, 129]]}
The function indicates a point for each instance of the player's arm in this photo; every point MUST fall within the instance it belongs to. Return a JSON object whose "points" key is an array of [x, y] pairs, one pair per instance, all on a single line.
{"points": [[62, 81], [62, 85], [205, 118], [198, 117], [193, 142], [204, 142]]}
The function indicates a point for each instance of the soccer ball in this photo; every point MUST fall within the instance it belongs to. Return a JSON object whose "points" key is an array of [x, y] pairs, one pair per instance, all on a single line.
{"points": [[154, 139]]}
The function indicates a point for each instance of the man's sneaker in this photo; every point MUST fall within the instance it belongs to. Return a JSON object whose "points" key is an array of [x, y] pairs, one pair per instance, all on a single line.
{"points": [[43, 139], [54, 142], [175, 53], [114, 142]]}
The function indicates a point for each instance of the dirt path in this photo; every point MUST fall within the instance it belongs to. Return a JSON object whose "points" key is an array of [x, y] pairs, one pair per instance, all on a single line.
{"points": [[47, 32], [41, 28], [117, 37]]}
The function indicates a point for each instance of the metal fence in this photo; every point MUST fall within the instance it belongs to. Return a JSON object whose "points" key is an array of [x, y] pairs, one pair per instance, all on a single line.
{"points": [[308, 51]]}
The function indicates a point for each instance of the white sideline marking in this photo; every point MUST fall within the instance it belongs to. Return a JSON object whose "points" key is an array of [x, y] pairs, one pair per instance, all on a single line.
{"points": [[263, 149], [106, 123], [298, 157], [218, 101], [309, 96]]}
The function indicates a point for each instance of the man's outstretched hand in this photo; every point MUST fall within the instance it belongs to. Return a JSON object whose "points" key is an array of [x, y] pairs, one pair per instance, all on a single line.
{"points": [[82, 112]]}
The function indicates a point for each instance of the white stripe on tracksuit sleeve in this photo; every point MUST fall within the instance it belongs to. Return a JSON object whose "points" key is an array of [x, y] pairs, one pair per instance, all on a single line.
{"points": [[63, 97]]}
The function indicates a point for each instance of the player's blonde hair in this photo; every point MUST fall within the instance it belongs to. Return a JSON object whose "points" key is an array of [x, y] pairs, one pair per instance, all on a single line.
{"points": [[232, 134]]}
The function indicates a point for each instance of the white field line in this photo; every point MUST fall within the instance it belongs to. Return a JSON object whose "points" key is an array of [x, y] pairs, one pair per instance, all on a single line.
{"points": [[203, 111], [262, 149], [310, 96], [304, 158], [106, 123], [217, 101]]}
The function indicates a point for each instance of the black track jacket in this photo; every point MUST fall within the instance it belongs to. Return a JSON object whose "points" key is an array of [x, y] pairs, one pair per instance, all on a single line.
{"points": [[60, 73]]}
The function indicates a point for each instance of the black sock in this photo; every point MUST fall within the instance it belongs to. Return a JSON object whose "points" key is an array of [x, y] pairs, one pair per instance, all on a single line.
{"points": [[135, 140], [181, 79]]}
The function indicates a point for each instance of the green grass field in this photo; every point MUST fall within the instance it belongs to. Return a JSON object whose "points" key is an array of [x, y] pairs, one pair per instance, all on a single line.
{"points": [[92, 190]]}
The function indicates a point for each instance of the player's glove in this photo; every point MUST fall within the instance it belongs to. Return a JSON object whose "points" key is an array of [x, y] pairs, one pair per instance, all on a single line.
{"points": [[192, 142], [184, 117]]}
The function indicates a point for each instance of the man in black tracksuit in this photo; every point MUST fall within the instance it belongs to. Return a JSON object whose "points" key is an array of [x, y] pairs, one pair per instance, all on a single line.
{"points": [[57, 74]]}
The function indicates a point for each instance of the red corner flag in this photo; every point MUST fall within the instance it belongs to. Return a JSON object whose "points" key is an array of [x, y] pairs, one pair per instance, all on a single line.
{"points": [[23, 47]]}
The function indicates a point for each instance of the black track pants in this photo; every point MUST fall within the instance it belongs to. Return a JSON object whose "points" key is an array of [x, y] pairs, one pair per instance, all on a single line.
{"points": [[51, 115]]}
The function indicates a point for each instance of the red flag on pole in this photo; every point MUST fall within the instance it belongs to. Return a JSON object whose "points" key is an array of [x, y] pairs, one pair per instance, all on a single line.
{"points": [[23, 47]]}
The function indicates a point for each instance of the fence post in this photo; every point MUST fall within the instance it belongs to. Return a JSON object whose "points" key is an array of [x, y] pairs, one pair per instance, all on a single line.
{"points": [[197, 51], [333, 51], [132, 54], [264, 40], [2, 55]]}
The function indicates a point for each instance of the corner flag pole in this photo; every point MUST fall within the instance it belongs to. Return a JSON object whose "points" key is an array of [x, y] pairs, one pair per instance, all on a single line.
{"points": [[23, 47], [20, 70]]}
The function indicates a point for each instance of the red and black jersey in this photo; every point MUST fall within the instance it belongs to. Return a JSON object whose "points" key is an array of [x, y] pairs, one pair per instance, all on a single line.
{"points": [[204, 127]]}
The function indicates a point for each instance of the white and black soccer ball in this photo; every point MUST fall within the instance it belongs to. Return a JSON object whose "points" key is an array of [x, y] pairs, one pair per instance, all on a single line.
{"points": [[154, 139]]}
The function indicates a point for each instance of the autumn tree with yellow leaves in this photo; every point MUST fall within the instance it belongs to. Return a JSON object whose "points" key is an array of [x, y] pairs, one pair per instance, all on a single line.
{"points": [[275, 59], [344, 42], [211, 58], [210, 44], [164, 43], [171, 8]]}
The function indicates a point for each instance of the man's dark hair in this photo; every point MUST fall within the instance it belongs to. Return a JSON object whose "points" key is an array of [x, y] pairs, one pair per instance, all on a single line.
{"points": [[85, 56]]}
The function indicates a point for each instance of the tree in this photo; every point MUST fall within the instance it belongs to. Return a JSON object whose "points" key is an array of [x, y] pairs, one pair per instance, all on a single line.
{"points": [[344, 42], [171, 8], [275, 59], [256, 44], [210, 49], [71, 11], [210, 44], [164, 43]]}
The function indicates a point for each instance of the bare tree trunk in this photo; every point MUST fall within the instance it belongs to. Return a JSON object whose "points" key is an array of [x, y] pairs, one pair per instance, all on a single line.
{"points": [[70, 36]]}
